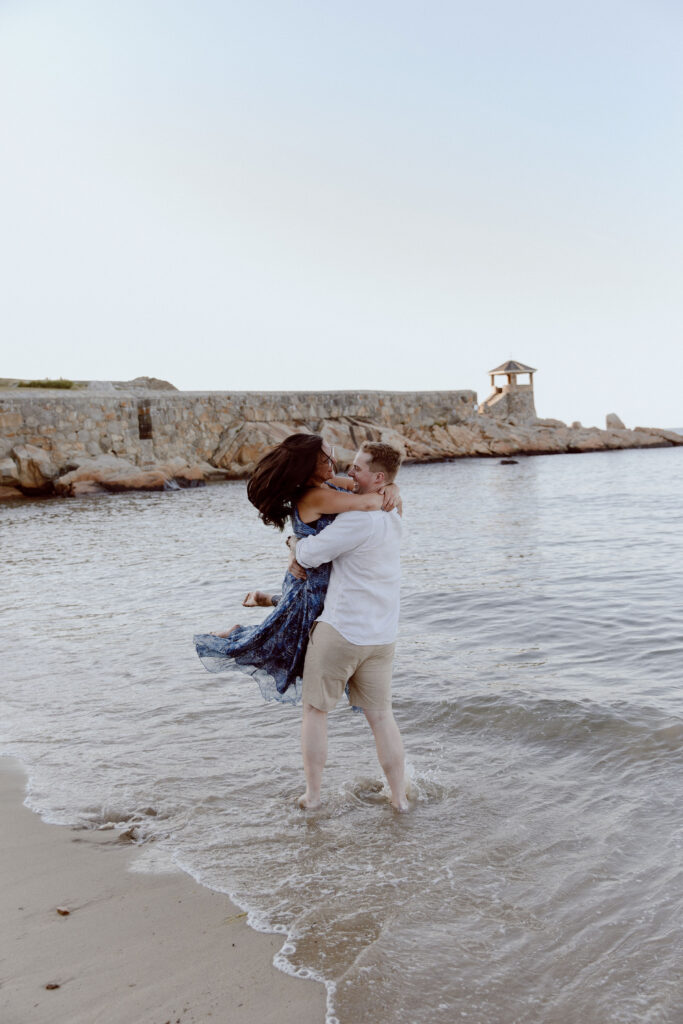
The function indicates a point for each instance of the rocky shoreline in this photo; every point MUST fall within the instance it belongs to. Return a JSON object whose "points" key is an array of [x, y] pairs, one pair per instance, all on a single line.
{"points": [[142, 440]]}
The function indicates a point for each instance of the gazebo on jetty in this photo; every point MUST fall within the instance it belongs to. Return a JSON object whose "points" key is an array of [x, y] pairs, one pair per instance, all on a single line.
{"points": [[511, 400]]}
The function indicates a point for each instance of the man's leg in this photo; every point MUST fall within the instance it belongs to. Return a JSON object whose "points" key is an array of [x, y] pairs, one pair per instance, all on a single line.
{"points": [[326, 669], [390, 753], [314, 750]]}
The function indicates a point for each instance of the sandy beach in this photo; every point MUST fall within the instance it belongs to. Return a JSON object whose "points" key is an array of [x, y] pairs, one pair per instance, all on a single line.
{"points": [[133, 947]]}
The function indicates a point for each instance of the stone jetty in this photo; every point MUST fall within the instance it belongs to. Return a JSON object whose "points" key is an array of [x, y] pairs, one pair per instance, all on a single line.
{"points": [[146, 435]]}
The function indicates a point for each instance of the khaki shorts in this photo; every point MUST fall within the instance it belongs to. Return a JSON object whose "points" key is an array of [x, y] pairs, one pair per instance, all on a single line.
{"points": [[332, 661]]}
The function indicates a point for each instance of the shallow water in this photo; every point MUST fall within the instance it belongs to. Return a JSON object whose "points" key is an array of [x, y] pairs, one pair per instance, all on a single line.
{"points": [[538, 876]]}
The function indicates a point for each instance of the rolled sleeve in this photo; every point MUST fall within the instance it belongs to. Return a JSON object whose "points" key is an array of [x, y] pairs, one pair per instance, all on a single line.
{"points": [[347, 531]]}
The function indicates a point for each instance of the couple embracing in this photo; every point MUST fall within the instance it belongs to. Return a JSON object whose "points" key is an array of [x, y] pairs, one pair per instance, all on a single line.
{"points": [[334, 626]]}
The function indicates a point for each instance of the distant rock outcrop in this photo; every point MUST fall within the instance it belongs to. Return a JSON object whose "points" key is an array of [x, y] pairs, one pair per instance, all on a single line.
{"points": [[147, 384]]}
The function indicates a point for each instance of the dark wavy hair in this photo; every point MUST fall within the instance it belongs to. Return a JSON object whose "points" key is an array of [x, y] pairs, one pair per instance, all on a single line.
{"points": [[282, 475]]}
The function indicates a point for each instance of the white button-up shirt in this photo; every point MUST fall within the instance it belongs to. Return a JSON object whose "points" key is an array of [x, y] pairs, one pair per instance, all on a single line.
{"points": [[362, 601]]}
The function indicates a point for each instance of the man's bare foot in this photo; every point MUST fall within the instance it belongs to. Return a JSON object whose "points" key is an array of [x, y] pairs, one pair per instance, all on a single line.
{"points": [[226, 633], [400, 804], [306, 803], [258, 599]]}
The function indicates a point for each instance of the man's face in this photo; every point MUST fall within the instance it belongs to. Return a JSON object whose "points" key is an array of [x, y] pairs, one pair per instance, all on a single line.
{"points": [[366, 480]]}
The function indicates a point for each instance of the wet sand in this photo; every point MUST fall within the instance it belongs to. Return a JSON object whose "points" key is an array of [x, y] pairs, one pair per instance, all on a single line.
{"points": [[135, 948]]}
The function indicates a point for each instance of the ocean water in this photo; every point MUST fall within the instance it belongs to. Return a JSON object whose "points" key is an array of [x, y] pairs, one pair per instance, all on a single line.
{"points": [[538, 878]]}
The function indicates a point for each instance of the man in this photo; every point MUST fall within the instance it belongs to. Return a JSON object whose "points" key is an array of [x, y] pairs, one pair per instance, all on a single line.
{"points": [[353, 638]]}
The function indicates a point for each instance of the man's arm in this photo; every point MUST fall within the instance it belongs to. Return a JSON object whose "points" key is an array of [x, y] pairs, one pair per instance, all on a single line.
{"points": [[347, 531], [296, 570]]}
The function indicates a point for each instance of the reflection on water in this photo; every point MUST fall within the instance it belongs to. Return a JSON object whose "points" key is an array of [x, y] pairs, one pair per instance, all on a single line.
{"points": [[536, 879]]}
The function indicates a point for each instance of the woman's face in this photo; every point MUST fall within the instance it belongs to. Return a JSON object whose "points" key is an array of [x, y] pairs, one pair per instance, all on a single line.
{"points": [[325, 468]]}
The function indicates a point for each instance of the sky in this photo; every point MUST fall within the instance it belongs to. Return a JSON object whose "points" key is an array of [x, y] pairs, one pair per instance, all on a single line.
{"points": [[321, 195]]}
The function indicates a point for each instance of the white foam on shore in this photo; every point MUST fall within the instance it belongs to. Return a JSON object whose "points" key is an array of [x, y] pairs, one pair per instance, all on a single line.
{"points": [[151, 860], [259, 921]]}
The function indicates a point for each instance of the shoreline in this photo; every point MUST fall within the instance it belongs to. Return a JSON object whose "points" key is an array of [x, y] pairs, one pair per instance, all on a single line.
{"points": [[134, 947], [120, 482], [138, 438]]}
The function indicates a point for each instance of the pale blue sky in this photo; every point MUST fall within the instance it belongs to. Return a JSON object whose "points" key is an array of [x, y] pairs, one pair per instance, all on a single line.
{"points": [[275, 195]]}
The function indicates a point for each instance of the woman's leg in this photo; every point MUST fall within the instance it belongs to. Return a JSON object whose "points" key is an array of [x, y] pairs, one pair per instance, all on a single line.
{"points": [[226, 632], [260, 599], [254, 599]]}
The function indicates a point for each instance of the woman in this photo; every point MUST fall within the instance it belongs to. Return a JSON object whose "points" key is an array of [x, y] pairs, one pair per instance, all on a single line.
{"points": [[296, 480]]}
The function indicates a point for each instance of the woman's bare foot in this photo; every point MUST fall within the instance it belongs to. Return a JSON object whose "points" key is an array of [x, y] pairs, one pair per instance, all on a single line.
{"points": [[306, 803], [226, 633], [400, 805], [258, 599]]}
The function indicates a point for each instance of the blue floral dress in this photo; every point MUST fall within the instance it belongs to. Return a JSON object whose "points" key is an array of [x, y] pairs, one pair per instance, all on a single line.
{"points": [[273, 651]]}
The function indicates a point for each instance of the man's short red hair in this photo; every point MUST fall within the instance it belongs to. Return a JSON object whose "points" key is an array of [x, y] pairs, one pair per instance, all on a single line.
{"points": [[384, 458]]}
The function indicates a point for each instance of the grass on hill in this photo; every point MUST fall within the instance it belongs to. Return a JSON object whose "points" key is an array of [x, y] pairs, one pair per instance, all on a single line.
{"points": [[61, 383]]}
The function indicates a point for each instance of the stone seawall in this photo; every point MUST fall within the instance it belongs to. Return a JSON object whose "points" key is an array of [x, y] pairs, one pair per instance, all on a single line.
{"points": [[207, 426], [79, 441]]}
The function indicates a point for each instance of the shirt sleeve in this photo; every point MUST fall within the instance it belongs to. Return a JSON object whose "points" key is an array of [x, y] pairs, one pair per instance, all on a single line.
{"points": [[347, 531]]}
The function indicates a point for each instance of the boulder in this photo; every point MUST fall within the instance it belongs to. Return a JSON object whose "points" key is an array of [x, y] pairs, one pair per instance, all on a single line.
{"points": [[81, 488], [615, 439], [670, 436], [613, 422], [8, 493], [549, 422], [545, 440], [338, 434], [9, 473], [418, 451], [466, 440], [35, 469], [109, 473], [343, 458], [100, 462], [347, 434], [212, 472], [140, 480], [394, 438], [182, 473], [241, 447], [112, 474], [94, 470], [588, 439]]}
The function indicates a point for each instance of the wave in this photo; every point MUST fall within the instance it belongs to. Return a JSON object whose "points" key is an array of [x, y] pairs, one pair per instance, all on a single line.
{"points": [[563, 725]]}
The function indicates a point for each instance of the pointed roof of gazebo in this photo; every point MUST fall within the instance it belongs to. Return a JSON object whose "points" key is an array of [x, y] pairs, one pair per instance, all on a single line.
{"points": [[512, 366]]}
